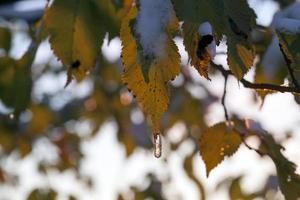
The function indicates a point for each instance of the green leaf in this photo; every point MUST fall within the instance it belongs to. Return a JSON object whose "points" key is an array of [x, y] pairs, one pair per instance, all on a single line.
{"points": [[76, 33], [217, 142], [232, 18], [16, 82], [199, 11], [290, 44], [289, 181], [5, 39], [240, 21], [241, 14], [41, 194], [240, 58], [237, 193]]}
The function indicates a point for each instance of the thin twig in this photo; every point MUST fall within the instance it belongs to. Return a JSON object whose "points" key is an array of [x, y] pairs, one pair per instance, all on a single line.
{"points": [[243, 136], [290, 69], [224, 97], [251, 148], [262, 86]]}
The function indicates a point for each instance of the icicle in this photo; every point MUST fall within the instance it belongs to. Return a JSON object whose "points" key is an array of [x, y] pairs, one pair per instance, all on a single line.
{"points": [[157, 145]]}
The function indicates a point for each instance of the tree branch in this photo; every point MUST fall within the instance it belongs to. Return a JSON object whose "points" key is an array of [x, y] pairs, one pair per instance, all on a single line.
{"points": [[290, 69], [224, 97], [262, 86]]}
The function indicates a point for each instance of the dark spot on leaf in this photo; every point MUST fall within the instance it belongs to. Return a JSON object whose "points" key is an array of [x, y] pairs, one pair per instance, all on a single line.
{"points": [[234, 27], [76, 64], [202, 44]]}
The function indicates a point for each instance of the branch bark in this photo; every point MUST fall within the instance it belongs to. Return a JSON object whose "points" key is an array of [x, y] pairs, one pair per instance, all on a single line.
{"points": [[262, 86]]}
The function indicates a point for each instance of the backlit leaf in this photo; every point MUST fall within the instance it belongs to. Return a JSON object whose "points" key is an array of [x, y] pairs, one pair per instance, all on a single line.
{"points": [[290, 45], [217, 142], [16, 82], [191, 39], [42, 194], [232, 18], [42, 118], [153, 96], [76, 34], [240, 58]]}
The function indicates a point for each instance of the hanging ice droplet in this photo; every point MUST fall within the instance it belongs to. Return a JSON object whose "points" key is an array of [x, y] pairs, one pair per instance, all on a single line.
{"points": [[157, 145]]}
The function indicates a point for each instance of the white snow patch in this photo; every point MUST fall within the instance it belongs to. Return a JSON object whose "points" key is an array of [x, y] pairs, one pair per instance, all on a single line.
{"points": [[288, 20], [206, 29], [272, 59], [153, 17]]}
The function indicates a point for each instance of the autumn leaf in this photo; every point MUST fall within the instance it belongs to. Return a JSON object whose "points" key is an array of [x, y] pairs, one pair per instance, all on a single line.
{"points": [[16, 76], [191, 39], [76, 33], [42, 118], [41, 194], [231, 18], [217, 142], [153, 96], [240, 59]]}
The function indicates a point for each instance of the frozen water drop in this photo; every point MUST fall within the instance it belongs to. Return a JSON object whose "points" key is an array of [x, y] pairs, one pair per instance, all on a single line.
{"points": [[157, 145]]}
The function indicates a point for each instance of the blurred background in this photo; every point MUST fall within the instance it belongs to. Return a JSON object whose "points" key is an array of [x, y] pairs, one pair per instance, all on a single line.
{"points": [[91, 141]]}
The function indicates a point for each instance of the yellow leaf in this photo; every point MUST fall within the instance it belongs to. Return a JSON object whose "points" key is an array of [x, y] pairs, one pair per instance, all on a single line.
{"points": [[216, 143], [153, 96], [240, 58], [76, 34], [42, 118], [191, 39]]}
